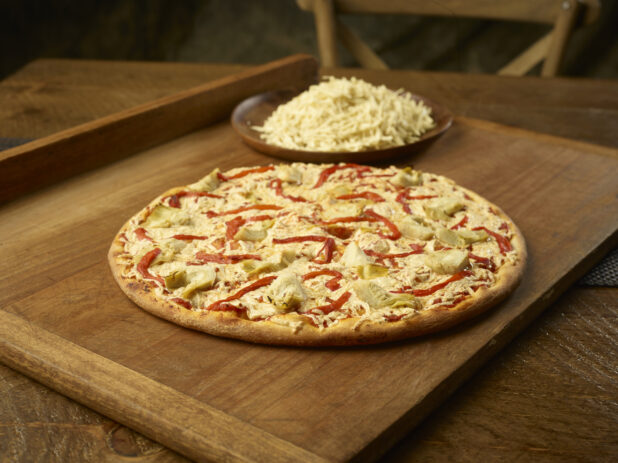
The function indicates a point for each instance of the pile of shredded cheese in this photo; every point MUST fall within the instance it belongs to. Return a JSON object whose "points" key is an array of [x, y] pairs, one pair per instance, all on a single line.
{"points": [[347, 115]]}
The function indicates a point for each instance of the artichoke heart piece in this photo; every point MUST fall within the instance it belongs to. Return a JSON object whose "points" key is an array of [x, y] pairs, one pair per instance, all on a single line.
{"points": [[447, 262], [208, 183], [443, 208], [176, 279], [286, 292], [289, 174], [251, 234], [257, 267], [353, 256], [370, 271], [473, 236], [199, 279], [343, 209], [412, 229], [377, 297], [408, 177], [164, 217], [450, 237], [340, 189]]}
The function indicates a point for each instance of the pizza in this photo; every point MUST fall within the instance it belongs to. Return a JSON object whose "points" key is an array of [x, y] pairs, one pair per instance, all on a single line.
{"points": [[309, 254]]}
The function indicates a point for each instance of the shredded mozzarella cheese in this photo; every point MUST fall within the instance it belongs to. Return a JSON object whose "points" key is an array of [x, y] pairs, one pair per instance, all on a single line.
{"points": [[347, 115]]}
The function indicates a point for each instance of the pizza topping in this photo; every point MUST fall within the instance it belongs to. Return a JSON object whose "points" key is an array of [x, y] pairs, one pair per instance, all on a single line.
{"points": [[144, 264], [340, 232], [449, 237], [223, 259], [326, 173], [286, 292], [353, 256], [401, 199], [327, 249], [174, 200], [165, 217], [281, 261], [439, 286], [333, 305], [244, 173], [484, 262], [186, 304], [395, 233], [208, 183], [197, 279], [142, 234], [189, 237], [376, 296], [275, 184], [364, 195], [332, 284], [461, 223], [447, 261], [257, 207], [370, 271], [503, 243], [443, 208], [413, 228], [473, 236], [407, 177], [222, 304]]}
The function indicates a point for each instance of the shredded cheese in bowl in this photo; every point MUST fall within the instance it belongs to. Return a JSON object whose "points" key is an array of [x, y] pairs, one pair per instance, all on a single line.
{"points": [[342, 114]]}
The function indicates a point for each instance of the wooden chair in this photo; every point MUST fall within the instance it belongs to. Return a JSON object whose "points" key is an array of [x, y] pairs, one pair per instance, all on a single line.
{"points": [[563, 14]]}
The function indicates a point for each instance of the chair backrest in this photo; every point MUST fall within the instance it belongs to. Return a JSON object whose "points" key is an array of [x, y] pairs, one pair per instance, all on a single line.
{"points": [[562, 14]]}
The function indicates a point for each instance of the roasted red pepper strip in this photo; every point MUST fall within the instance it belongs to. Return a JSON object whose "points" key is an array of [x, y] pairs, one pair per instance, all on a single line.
{"points": [[174, 200], [434, 288], [461, 223], [417, 250], [275, 184], [328, 248], [142, 235], [144, 264], [332, 169], [332, 284], [255, 170], [340, 232], [223, 259], [335, 305], [189, 237], [257, 207], [221, 305], [234, 225], [484, 262], [395, 233], [364, 195], [401, 197], [182, 302], [503, 242]]}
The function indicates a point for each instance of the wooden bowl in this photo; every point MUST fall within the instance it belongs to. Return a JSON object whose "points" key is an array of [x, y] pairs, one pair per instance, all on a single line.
{"points": [[255, 110]]}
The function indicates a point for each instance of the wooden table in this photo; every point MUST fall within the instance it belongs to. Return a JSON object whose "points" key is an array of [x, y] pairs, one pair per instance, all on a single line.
{"points": [[550, 396]]}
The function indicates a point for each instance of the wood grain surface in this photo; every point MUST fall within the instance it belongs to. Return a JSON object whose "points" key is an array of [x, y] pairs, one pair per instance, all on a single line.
{"points": [[55, 427]]}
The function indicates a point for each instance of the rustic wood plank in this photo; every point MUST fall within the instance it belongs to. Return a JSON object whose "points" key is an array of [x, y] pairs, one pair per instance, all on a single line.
{"points": [[61, 155], [552, 394], [190, 426]]}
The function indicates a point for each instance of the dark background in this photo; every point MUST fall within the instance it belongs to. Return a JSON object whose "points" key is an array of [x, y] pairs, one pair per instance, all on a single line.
{"points": [[237, 31]]}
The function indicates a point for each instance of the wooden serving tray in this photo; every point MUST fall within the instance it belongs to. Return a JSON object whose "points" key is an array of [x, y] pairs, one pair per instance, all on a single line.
{"points": [[64, 321]]}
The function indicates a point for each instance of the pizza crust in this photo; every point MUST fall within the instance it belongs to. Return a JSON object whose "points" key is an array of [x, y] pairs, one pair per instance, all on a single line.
{"points": [[346, 332]]}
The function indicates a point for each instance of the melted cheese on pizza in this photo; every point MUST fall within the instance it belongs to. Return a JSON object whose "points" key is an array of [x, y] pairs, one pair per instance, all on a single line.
{"points": [[305, 243]]}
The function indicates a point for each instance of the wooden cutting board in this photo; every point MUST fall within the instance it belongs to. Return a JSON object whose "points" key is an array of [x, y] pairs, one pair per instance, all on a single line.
{"points": [[64, 321]]}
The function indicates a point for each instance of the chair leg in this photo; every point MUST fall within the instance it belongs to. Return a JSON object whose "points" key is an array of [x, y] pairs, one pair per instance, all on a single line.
{"points": [[324, 13], [560, 35]]}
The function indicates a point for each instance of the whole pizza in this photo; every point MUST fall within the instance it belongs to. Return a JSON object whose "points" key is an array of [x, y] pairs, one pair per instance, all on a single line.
{"points": [[308, 254]]}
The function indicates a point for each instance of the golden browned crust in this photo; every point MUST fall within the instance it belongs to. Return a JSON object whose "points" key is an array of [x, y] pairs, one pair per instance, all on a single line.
{"points": [[347, 332]]}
